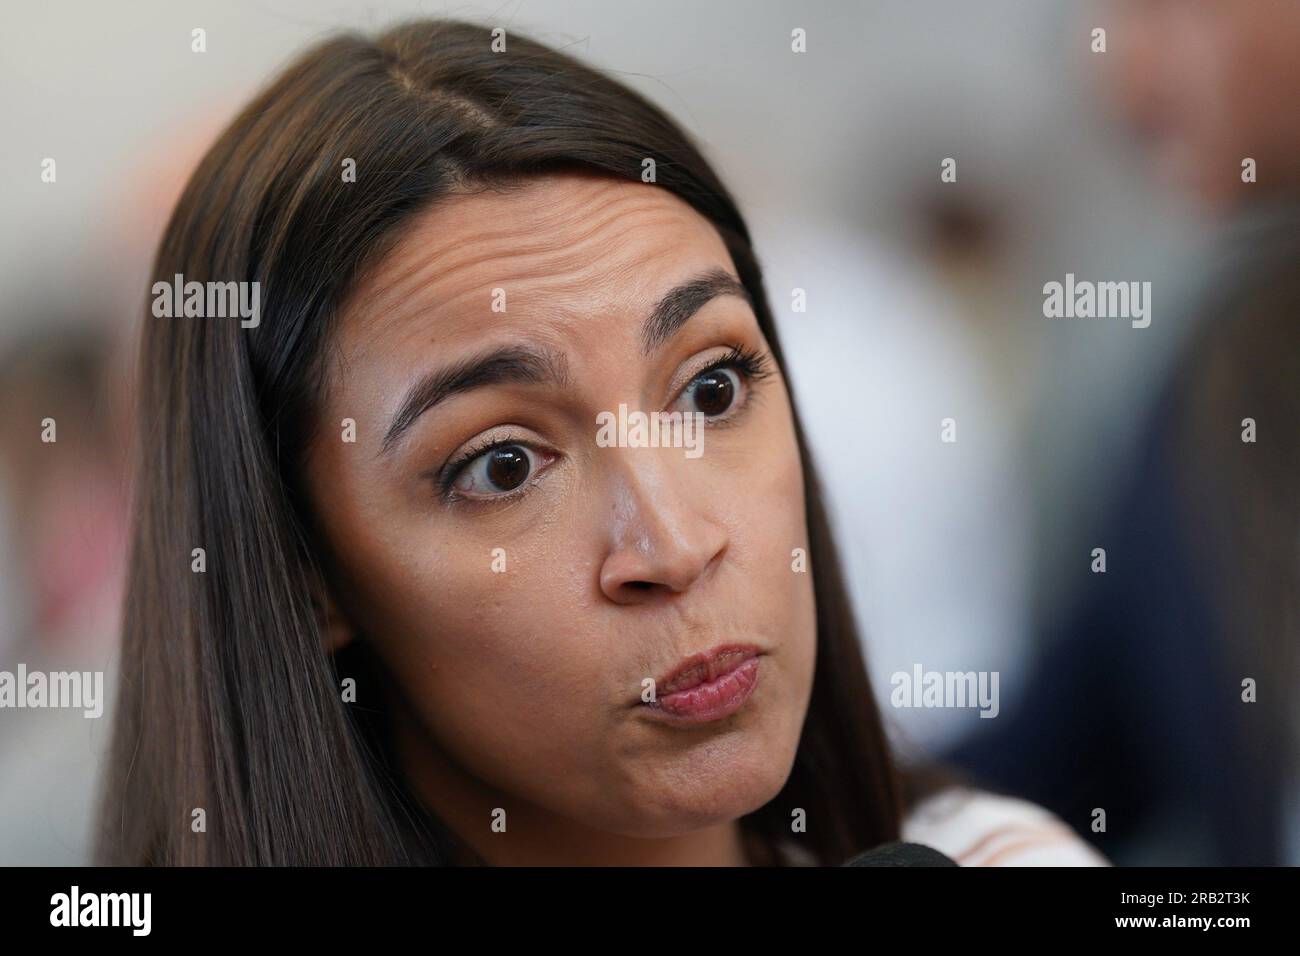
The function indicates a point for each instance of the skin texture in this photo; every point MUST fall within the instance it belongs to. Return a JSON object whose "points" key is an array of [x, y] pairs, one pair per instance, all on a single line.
{"points": [[521, 690], [1206, 83]]}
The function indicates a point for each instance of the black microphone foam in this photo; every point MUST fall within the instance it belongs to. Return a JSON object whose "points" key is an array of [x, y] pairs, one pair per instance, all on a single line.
{"points": [[901, 854]]}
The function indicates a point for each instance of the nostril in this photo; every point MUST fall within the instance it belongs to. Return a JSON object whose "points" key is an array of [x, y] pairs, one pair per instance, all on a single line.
{"points": [[640, 585]]}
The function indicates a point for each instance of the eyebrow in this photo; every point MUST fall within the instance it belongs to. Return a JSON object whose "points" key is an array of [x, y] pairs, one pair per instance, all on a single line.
{"points": [[509, 365], [519, 364], [677, 307]]}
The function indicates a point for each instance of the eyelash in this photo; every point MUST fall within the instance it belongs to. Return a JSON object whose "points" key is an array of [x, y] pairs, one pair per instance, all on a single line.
{"points": [[453, 469], [753, 365]]}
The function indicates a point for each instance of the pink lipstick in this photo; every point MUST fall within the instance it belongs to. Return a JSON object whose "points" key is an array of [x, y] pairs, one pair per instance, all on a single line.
{"points": [[709, 686]]}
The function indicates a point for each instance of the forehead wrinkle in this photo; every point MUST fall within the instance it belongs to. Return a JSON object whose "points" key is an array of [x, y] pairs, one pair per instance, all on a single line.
{"points": [[404, 268], [540, 268], [612, 281], [562, 208], [537, 251]]}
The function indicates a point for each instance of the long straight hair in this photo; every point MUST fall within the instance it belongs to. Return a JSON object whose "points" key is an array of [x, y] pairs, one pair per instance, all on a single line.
{"points": [[229, 702]]}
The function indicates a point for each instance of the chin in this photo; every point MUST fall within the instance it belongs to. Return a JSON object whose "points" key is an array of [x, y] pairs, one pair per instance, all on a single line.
{"points": [[729, 789]]}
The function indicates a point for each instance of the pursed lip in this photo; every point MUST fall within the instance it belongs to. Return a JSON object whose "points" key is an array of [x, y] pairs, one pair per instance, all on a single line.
{"points": [[702, 668]]}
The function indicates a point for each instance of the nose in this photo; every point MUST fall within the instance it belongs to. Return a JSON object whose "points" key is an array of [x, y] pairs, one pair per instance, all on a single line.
{"points": [[662, 542]]}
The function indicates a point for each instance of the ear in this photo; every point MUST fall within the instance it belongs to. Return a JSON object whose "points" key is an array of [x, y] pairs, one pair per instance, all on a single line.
{"points": [[335, 628]]}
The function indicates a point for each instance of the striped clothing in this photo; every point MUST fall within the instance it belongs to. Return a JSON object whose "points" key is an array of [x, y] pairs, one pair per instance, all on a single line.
{"points": [[977, 828]]}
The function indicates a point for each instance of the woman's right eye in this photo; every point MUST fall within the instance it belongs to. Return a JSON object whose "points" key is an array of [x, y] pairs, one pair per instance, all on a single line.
{"points": [[497, 471]]}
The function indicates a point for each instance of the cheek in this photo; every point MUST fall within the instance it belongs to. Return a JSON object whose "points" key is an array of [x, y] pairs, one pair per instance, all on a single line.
{"points": [[772, 573], [487, 646], [770, 516], [793, 561]]}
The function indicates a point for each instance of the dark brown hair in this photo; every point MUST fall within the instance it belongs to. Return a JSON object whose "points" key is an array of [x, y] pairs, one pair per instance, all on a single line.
{"points": [[229, 701]]}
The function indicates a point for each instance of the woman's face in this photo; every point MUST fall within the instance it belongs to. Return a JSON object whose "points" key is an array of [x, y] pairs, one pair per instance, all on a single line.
{"points": [[520, 577], [1205, 84]]}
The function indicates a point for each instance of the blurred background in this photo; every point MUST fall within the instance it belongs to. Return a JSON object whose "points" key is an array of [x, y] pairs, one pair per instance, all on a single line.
{"points": [[1115, 158]]}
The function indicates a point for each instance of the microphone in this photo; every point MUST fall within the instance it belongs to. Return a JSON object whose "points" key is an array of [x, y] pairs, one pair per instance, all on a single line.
{"points": [[901, 854]]}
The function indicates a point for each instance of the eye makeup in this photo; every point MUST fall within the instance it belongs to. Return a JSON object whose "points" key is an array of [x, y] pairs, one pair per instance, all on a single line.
{"points": [[752, 365]]}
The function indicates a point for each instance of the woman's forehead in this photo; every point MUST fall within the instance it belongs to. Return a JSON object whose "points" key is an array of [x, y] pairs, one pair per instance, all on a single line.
{"points": [[557, 253]]}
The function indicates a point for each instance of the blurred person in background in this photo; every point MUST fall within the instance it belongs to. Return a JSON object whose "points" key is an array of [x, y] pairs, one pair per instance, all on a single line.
{"points": [[1141, 702], [64, 508], [64, 504]]}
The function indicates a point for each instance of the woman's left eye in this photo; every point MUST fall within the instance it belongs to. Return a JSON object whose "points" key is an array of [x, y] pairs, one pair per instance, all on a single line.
{"points": [[713, 392]]}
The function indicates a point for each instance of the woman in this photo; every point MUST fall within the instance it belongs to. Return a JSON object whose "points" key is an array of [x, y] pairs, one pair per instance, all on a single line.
{"points": [[391, 598]]}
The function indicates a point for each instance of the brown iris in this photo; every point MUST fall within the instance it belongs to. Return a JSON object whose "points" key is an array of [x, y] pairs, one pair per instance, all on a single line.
{"points": [[507, 467], [713, 392]]}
